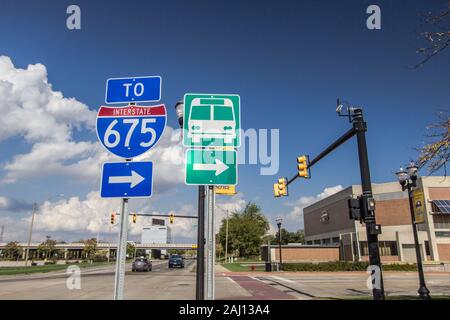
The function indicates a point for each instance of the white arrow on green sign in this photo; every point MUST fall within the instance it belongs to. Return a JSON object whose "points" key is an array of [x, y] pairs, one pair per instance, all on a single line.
{"points": [[211, 167]]}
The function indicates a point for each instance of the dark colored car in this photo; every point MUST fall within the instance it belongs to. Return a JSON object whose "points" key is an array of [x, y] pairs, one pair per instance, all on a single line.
{"points": [[176, 260], [141, 264]]}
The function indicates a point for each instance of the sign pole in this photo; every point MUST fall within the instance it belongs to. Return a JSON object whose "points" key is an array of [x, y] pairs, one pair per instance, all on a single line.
{"points": [[210, 257], [121, 253]]}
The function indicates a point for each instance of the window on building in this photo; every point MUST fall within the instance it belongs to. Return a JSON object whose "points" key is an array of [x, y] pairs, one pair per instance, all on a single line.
{"points": [[309, 242], [326, 242], [387, 248], [440, 206], [441, 221], [336, 240], [316, 241], [427, 248], [442, 234]]}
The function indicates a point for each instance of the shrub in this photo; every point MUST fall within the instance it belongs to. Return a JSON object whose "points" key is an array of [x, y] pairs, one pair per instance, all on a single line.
{"points": [[344, 266], [49, 262]]}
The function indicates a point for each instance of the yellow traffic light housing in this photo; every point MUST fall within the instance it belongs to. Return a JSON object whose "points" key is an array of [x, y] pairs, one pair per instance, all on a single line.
{"points": [[113, 218], [134, 217], [282, 186], [303, 166], [171, 218], [276, 191]]}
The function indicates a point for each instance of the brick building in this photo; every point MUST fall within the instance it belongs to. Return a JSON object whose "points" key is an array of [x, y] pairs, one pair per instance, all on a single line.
{"points": [[327, 222]]}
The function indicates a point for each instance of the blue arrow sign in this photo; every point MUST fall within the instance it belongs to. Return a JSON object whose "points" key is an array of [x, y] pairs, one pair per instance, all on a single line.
{"points": [[127, 180], [137, 89], [130, 131]]}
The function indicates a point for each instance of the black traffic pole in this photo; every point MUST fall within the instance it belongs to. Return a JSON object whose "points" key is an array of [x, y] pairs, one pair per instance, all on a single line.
{"points": [[279, 220], [200, 280], [372, 229], [423, 291]]}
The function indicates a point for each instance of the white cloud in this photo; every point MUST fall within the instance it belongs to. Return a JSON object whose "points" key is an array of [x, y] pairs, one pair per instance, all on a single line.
{"points": [[30, 108], [47, 120], [296, 213]]}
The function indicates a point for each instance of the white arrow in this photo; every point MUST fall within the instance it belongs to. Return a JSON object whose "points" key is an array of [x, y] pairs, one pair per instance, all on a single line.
{"points": [[134, 179], [218, 167]]}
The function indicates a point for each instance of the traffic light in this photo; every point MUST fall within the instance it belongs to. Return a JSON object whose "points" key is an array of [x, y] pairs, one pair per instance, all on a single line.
{"points": [[171, 216], [113, 217], [355, 208], [280, 188], [303, 167], [134, 217], [276, 191]]}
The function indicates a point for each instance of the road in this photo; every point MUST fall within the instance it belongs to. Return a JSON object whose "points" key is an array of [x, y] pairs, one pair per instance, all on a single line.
{"points": [[170, 284]]}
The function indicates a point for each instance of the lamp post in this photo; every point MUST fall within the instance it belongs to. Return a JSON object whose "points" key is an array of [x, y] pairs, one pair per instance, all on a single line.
{"points": [[407, 180], [200, 278], [279, 221]]}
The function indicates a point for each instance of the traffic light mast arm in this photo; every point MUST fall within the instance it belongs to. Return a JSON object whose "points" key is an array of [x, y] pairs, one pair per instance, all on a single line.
{"points": [[346, 136], [165, 215]]}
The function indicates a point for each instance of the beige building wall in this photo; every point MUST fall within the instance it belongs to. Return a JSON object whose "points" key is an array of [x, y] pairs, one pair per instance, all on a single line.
{"points": [[392, 212]]}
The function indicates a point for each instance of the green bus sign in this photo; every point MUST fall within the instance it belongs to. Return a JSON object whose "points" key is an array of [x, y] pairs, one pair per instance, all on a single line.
{"points": [[211, 167], [211, 120]]}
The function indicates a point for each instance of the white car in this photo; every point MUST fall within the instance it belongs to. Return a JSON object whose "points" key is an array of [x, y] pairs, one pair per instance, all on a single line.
{"points": [[212, 118]]}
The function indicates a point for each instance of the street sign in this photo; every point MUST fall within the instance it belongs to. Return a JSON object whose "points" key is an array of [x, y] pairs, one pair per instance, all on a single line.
{"points": [[419, 206], [137, 89], [130, 131], [225, 190], [211, 120], [211, 167], [127, 180]]}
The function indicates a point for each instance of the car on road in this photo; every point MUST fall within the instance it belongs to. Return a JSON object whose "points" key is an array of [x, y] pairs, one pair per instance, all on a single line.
{"points": [[141, 264], [176, 260]]}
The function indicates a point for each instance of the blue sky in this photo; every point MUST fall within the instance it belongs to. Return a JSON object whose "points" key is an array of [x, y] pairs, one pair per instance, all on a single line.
{"points": [[288, 60]]}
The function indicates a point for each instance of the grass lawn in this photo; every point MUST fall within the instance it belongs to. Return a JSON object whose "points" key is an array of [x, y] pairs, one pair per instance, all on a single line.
{"points": [[244, 266], [46, 268]]}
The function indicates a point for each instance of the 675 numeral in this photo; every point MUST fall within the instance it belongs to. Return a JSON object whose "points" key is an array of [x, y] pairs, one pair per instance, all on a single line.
{"points": [[134, 123]]}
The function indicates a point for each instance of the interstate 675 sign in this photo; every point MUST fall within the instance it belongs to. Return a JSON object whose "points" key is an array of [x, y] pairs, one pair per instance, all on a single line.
{"points": [[130, 131]]}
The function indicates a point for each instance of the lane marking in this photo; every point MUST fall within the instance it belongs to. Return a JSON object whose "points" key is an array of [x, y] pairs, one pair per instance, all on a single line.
{"points": [[282, 279]]}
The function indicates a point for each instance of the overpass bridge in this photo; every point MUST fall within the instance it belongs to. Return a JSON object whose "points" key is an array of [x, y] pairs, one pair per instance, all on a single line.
{"points": [[74, 250]]}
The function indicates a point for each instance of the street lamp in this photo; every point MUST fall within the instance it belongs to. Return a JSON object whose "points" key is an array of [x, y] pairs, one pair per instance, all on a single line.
{"points": [[35, 208], [200, 293], [279, 221], [407, 180]]}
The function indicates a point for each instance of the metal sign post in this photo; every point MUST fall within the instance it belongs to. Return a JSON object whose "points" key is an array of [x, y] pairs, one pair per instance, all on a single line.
{"points": [[121, 252], [210, 245]]}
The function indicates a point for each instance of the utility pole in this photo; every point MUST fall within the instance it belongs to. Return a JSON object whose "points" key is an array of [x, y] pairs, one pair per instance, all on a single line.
{"points": [[1, 234], [226, 238], [372, 228], [121, 252], [210, 249], [31, 233], [200, 279]]}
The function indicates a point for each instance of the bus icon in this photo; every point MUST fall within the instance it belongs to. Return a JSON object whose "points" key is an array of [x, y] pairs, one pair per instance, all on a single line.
{"points": [[212, 118]]}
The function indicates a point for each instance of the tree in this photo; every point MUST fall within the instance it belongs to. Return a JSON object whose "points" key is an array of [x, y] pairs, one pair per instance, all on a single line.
{"points": [[12, 250], [130, 250], [246, 230], [435, 154], [289, 237], [48, 248], [437, 38], [90, 247]]}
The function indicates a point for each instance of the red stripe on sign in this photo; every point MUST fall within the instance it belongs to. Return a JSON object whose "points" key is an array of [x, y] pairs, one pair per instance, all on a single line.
{"points": [[132, 111]]}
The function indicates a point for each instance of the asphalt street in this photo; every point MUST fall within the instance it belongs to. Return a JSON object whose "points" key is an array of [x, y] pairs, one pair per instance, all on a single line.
{"points": [[170, 284]]}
